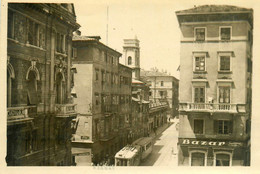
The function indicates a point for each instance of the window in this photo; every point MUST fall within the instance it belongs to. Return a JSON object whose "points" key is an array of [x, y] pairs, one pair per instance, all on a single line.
{"points": [[97, 98], [161, 94], [197, 159], [129, 60], [224, 94], [60, 91], [199, 94], [198, 126], [200, 34], [11, 19], [225, 33], [150, 93], [32, 98], [97, 74], [223, 126], [74, 53], [224, 63], [103, 76], [161, 83], [200, 63], [222, 159]]}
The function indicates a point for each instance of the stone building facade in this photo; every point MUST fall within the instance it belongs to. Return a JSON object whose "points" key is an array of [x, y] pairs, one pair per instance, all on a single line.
{"points": [[215, 85], [39, 108], [103, 88], [163, 87]]}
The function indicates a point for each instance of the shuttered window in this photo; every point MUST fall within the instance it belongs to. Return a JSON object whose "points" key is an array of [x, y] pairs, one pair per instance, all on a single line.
{"points": [[199, 95], [224, 94]]}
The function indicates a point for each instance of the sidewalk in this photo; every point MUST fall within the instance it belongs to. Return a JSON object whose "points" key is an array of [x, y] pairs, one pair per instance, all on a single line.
{"points": [[160, 130]]}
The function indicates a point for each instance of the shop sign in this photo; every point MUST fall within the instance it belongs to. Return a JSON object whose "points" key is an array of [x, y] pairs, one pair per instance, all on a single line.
{"points": [[202, 143]]}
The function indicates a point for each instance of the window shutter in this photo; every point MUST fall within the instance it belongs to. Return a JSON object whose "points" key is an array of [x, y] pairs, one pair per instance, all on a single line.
{"points": [[215, 126], [231, 127]]}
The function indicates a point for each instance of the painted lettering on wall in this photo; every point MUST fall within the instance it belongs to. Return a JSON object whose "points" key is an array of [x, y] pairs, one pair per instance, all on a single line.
{"points": [[203, 143]]}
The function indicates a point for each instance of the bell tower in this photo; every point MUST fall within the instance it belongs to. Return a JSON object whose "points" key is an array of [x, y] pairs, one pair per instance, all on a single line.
{"points": [[131, 57]]}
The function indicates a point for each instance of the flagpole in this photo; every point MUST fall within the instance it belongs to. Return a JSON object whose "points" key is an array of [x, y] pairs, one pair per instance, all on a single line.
{"points": [[107, 26]]}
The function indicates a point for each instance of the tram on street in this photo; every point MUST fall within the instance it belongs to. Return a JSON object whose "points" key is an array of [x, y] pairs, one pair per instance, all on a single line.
{"points": [[132, 155]]}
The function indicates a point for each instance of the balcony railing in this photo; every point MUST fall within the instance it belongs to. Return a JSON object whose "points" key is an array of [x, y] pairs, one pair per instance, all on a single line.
{"points": [[20, 114], [208, 107], [66, 110]]}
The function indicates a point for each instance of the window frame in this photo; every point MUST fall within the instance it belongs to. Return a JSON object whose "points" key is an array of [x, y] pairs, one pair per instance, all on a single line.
{"points": [[198, 151], [129, 60], [194, 90], [220, 38], [229, 123], [227, 84], [199, 54], [203, 127], [205, 34], [222, 152], [225, 54]]}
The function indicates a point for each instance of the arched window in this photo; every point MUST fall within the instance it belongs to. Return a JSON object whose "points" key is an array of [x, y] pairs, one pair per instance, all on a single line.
{"points": [[32, 98], [129, 60], [59, 89], [10, 76]]}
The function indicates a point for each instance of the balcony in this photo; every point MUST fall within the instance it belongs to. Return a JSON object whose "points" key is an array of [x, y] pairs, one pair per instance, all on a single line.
{"points": [[19, 115], [212, 107], [66, 110]]}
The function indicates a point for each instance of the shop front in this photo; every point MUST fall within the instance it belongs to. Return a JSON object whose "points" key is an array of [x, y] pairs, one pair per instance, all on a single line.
{"points": [[197, 152]]}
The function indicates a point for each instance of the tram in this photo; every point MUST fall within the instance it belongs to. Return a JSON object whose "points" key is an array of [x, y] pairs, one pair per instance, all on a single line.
{"points": [[132, 155]]}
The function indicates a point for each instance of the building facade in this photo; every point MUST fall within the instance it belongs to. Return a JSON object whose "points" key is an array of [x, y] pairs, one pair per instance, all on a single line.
{"points": [[215, 85], [39, 108], [103, 89], [163, 87]]}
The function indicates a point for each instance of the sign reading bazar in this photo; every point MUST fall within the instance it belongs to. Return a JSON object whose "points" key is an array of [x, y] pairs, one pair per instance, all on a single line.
{"points": [[202, 143], [196, 142]]}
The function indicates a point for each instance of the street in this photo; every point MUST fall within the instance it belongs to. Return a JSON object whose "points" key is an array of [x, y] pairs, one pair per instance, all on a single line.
{"points": [[165, 148]]}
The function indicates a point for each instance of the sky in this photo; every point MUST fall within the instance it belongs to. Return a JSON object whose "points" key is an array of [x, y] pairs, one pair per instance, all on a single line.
{"points": [[154, 23]]}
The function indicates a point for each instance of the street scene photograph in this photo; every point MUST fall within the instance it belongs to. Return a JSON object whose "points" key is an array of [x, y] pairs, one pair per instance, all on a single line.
{"points": [[118, 84]]}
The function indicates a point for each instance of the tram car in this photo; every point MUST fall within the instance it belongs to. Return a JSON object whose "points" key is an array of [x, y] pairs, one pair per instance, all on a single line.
{"points": [[132, 155]]}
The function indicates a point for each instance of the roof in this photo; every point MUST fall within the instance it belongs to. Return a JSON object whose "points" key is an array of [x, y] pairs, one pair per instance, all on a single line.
{"points": [[92, 39], [214, 9], [145, 73], [142, 141], [82, 38], [128, 152]]}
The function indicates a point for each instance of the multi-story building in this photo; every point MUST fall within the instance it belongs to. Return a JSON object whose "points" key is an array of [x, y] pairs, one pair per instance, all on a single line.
{"points": [[140, 90], [215, 85], [163, 87], [39, 108], [140, 109], [103, 90], [157, 114]]}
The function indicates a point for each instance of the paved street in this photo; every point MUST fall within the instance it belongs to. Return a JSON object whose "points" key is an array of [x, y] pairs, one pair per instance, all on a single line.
{"points": [[165, 148]]}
